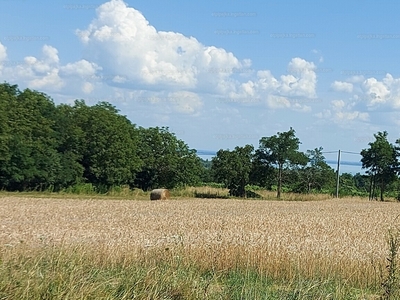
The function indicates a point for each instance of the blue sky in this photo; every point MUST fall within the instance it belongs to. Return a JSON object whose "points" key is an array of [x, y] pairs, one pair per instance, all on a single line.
{"points": [[220, 74]]}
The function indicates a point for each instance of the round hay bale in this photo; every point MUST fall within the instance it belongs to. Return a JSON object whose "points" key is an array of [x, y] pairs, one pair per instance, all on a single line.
{"points": [[159, 194]]}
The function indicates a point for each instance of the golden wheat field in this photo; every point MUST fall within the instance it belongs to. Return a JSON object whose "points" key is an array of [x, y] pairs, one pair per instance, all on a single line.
{"points": [[346, 236]]}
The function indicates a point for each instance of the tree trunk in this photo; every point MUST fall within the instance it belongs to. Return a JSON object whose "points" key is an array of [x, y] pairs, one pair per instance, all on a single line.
{"points": [[243, 189], [370, 187], [279, 181], [373, 187], [382, 188]]}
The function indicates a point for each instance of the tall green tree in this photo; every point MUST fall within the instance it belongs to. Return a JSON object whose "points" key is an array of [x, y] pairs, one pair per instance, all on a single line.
{"points": [[397, 168], [39, 114], [233, 168], [110, 145], [362, 183], [70, 134], [317, 174], [263, 173], [206, 175], [381, 161], [29, 140], [8, 95], [167, 161], [281, 150]]}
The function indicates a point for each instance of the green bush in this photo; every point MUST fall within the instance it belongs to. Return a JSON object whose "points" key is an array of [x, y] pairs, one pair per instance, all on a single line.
{"points": [[81, 188]]}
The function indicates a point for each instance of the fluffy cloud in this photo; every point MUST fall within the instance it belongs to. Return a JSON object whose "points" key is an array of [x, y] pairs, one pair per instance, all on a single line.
{"points": [[350, 116], [371, 92], [185, 102], [82, 68], [40, 73], [123, 52], [341, 86], [124, 43], [302, 80], [45, 72], [266, 82], [293, 90], [133, 54], [3, 53], [342, 113], [337, 105], [367, 94], [275, 102], [376, 91], [3, 56]]}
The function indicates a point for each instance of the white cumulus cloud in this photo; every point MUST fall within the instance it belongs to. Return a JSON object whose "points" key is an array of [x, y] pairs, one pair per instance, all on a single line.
{"points": [[377, 91], [3, 53], [275, 102], [40, 73], [82, 68], [293, 90], [342, 113], [185, 102], [372, 93], [341, 86], [123, 52], [123, 43], [47, 74], [302, 80]]}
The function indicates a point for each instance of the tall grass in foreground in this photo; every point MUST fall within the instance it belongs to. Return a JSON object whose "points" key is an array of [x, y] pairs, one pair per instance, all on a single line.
{"points": [[202, 249], [79, 273], [391, 282]]}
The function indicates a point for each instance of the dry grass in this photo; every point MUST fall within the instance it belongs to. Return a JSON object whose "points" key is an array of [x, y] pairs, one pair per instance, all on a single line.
{"points": [[193, 192], [343, 238], [212, 192], [271, 195]]}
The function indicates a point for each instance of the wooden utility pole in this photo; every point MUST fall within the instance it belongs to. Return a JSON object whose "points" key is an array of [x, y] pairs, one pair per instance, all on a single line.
{"points": [[337, 175]]}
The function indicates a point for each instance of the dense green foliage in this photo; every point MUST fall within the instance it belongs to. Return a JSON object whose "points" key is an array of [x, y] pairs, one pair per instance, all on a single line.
{"points": [[233, 168], [167, 161], [63, 147], [44, 146], [381, 161], [281, 150], [277, 163]]}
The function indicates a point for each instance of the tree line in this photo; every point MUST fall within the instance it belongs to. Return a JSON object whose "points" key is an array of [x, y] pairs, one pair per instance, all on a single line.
{"points": [[44, 146], [278, 164]]}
